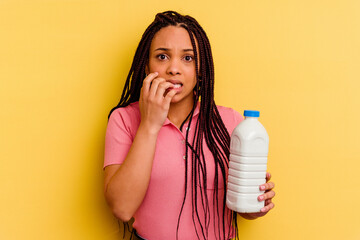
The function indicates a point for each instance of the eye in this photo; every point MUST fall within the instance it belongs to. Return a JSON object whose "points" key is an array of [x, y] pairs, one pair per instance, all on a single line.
{"points": [[161, 56], [188, 58]]}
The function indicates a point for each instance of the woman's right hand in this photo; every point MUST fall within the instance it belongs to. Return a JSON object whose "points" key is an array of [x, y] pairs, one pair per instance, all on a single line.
{"points": [[154, 104], [126, 184]]}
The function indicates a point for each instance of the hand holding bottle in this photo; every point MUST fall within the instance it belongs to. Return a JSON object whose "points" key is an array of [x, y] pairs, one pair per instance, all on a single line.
{"points": [[266, 197]]}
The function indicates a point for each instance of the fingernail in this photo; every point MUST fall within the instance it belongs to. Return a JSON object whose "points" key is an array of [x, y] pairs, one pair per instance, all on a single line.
{"points": [[262, 187], [261, 197], [263, 209]]}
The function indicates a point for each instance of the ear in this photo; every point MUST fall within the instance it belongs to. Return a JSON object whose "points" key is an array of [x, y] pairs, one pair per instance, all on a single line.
{"points": [[147, 69]]}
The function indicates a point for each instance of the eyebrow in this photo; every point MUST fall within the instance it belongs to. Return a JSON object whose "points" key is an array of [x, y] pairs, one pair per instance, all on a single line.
{"points": [[167, 49]]}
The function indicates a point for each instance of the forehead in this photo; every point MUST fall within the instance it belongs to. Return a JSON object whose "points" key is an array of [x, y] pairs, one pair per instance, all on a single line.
{"points": [[171, 37]]}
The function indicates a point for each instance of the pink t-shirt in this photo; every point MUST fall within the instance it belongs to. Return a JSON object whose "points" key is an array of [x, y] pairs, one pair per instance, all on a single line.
{"points": [[157, 216]]}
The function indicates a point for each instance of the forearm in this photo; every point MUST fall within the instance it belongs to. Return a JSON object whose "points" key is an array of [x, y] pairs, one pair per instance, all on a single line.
{"points": [[127, 187]]}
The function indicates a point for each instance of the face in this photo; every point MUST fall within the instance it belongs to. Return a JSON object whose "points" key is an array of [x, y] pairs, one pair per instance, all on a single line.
{"points": [[172, 56]]}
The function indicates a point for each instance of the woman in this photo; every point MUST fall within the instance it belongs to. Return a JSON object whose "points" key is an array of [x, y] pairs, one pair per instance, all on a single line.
{"points": [[167, 143]]}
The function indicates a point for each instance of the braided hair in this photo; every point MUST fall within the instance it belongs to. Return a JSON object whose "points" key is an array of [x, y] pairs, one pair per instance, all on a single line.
{"points": [[209, 125]]}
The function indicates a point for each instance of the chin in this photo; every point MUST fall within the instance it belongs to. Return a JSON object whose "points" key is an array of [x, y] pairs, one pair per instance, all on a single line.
{"points": [[176, 99]]}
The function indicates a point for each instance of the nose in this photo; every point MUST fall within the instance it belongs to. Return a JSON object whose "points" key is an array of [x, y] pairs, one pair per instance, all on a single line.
{"points": [[173, 67]]}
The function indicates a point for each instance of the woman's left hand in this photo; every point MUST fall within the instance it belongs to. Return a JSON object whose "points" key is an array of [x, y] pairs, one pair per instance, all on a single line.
{"points": [[267, 197]]}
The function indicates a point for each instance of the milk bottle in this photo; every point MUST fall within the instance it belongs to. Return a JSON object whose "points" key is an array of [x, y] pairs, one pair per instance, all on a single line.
{"points": [[247, 167]]}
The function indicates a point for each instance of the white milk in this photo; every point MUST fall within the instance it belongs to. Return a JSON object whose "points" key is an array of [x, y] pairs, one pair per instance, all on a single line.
{"points": [[249, 148]]}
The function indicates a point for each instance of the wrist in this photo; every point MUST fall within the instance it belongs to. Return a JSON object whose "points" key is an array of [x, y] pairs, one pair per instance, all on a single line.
{"points": [[248, 216], [148, 129]]}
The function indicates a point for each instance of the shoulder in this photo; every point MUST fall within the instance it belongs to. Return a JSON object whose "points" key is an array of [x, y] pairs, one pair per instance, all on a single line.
{"points": [[120, 133], [125, 117], [229, 113], [230, 117], [129, 112]]}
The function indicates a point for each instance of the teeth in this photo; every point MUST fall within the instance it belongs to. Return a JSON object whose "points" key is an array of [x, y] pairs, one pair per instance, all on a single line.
{"points": [[177, 85]]}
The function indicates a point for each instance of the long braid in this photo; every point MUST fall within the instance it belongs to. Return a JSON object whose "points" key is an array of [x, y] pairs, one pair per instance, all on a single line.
{"points": [[198, 163], [206, 93], [209, 125], [208, 90]]}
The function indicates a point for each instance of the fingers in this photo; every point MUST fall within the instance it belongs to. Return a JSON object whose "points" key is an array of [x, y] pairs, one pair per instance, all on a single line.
{"points": [[268, 176], [268, 206], [267, 186], [154, 90], [158, 89], [147, 82], [266, 195], [155, 87], [169, 96]]}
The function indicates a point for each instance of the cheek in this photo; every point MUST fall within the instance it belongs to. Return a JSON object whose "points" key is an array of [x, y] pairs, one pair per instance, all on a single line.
{"points": [[152, 67], [155, 68], [191, 74]]}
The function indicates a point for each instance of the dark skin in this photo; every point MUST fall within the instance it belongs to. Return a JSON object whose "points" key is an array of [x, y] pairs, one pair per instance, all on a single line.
{"points": [[167, 92]]}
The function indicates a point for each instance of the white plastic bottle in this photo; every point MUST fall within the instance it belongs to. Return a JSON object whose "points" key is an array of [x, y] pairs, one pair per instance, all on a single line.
{"points": [[248, 162]]}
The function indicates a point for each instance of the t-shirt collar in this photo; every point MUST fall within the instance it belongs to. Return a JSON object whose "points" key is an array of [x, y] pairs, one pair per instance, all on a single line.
{"points": [[196, 112]]}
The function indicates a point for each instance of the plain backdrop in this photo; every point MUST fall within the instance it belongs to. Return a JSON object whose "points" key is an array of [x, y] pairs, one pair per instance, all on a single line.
{"points": [[62, 68]]}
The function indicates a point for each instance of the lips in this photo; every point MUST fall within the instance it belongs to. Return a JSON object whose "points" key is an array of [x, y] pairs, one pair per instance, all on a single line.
{"points": [[177, 84]]}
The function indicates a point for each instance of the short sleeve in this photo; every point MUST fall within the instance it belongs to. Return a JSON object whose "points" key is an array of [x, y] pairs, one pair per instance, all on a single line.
{"points": [[237, 118], [118, 138], [230, 117]]}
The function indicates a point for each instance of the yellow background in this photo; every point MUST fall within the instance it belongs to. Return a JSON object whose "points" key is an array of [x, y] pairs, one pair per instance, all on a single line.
{"points": [[62, 68]]}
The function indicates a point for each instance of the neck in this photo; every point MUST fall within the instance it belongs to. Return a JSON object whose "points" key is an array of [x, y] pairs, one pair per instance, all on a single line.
{"points": [[178, 112]]}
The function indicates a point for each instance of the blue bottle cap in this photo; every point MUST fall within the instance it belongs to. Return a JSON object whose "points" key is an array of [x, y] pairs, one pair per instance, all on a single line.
{"points": [[251, 113]]}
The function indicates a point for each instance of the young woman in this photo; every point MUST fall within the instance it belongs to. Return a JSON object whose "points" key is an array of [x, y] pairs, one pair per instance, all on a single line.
{"points": [[167, 143]]}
